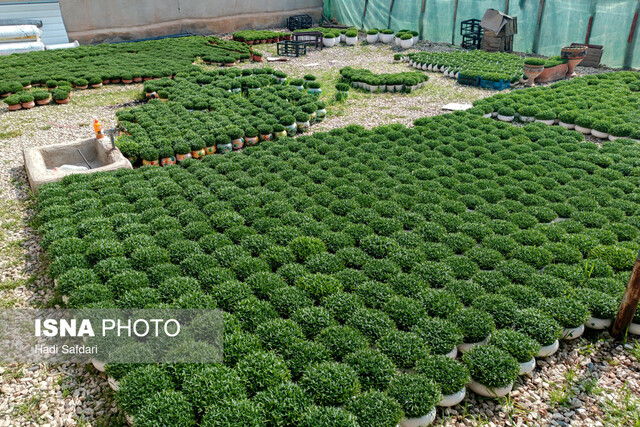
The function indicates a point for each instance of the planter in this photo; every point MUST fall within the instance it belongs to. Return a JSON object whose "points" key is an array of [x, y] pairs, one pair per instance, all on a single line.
{"points": [[552, 74], [146, 79], [168, 161], [527, 119], [453, 399], [255, 58], [532, 71], [485, 391], [567, 125], [328, 42], [585, 131], [127, 81], [575, 55], [527, 367], [321, 114], [150, 162], [342, 38], [372, 38], [396, 41], [634, 329], [83, 87], [28, 105], [303, 126], [572, 333], [209, 150], [291, 129], [414, 40], [613, 138], [137, 79], [373, 88], [280, 134], [96, 85], [43, 101], [597, 323], [386, 38], [115, 385], [314, 91], [98, 364], [453, 353], [351, 41], [487, 116], [548, 350], [464, 347], [224, 148], [237, 144], [248, 141], [546, 122], [181, 157], [62, 101], [196, 154], [419, 422], [406, 44], [598, 134], [505, 118]]}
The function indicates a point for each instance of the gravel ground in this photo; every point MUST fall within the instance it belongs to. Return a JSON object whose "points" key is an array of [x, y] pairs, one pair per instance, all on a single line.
{"points": [[592, 381]]}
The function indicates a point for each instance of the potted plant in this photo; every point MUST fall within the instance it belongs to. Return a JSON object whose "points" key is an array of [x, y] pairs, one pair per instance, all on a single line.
{"points": [[406, 41], [197, 148], [51, 84], [95, 82], [321, 112], [279, 131], [372, 35], [351, 37], [224, 144], [601, 128], [81, 84], [314, 88], [528, 113], [398, 57], [567, 119], [520, 346], [60, 96], [541, 327], [476, 327], [506, 114], [386, 36], [236, 135], [449, 374], [532, 68], [342, 91], [602, 306], [418, 395], [256, 56], [374, 408], [149, 156], [396, 38], [623, 130], [289, 122], [27, 100], [584, 121], [328, 40], [163, 94], [250, 138], [42, 97], [547, 116], [183, 151], [297, 83], [574, 55], [166, 154], [265, 132], [441, 336], [209, 144], [570, 313], [302, 121], [13, 101], [127, 78], [492, 370]]}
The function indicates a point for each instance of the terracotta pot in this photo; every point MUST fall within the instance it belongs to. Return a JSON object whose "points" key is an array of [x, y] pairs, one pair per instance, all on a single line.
{"points": [[62, 101], [27, 105], [168, 161], [115, 81], [4, 95], [96, 86], [257, 58], [196, 154], [532, 71], [553, 73], [15, 107], [237, 144], [82, 87], [146, 79], [150, 162], [127, 81], [137, 79], [181, 157], [106, 82], [43, 101]]}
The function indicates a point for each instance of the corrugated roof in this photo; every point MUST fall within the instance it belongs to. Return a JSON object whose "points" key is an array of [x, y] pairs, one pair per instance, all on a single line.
{"points": [[53, 29]]}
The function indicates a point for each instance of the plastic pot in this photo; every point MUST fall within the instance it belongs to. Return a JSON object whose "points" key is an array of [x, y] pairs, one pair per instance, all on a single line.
{"points": [[572, 333], [597, 323], [453, 399], [527, 367], [351, 41], [425, 420], [548, 350], [485, 391], [464, 347]]}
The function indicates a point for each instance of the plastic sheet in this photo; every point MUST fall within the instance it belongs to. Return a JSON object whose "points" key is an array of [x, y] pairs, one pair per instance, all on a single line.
{"points": [[9, 48], [19, 33], [561, 23]]}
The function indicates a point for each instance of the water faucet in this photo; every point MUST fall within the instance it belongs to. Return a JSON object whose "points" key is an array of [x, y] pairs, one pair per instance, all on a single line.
{"points": [[113, 132]]}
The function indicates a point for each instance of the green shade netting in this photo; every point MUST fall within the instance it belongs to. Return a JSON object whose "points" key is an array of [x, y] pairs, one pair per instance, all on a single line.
{"points": [[562, 22]]}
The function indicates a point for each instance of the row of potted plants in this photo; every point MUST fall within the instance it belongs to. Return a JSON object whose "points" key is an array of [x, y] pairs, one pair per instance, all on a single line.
{"points": [[385, 82], [96, 65], [251, 37], [344, 259], [29, 99], [602, 106]]}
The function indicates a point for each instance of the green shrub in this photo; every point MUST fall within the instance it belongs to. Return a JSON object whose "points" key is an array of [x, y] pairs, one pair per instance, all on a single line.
{"points": [[517, 344], [439, 302], [539, 326], [448, 373], [330, 383], [491, 366], [313, 319], [404, 311], [261, 370], [234, 412], [319, 416], [475, 324], [341, 340], [278, 334], [441, 336], [375, 409], [372, 323], [374, 369], [600, 305], [301, 354], [403, 348], [284, 404], [166, 407], [141, 384], [417, 394], [342, 305], [205, 385]]}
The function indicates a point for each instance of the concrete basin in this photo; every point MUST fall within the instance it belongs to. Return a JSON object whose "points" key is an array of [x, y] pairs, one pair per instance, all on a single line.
{"points": [[51, 163]]}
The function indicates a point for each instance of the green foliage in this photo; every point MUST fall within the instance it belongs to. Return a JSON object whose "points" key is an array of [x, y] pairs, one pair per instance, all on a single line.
{"points": [[375, 409], [416, 393], [491, 366], [448, 373], [330, 383]]}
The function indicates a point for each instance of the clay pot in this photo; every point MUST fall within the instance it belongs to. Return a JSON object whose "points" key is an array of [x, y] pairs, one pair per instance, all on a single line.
{"points": [[43, 101], [127, 81], [146, 79], [96, 85], [62, 101], [106, 82], [575, 55], [27, 105], [15, 107], [82, 87], [137, 79], [532, 71]]}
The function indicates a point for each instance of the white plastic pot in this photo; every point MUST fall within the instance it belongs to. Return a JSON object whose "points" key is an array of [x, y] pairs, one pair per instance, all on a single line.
{"points": [[397, 41], [488, 115], [453, 399], [546, 122], [505, 118], [567, 125], [599, 134], [612, 138], [351, 41], [415, 39], [597, 323], [464, 347], [453, 353], [386, 38], [406, 44], [527, 119], [494, 114], [342, 37], [328, 42], [548, 350], [373, 88], [580, 129], [527, 367], [372, 38], [634, 329], [572, 333], [419, 422], [485, 391], [397, 88]]}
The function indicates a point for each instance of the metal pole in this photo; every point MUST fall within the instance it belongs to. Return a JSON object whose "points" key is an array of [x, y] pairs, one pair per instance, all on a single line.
{"points": [[629, 303], [536, 37], [455, 15]]}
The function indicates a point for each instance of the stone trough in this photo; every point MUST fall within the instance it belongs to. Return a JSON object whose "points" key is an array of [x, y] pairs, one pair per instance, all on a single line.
{"points": [[51, 163]]}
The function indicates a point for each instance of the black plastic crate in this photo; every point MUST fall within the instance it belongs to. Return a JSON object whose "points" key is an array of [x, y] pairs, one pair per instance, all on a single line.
{"points": [[291, 48], [471, 41], [299, 22], [470, 26]]}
